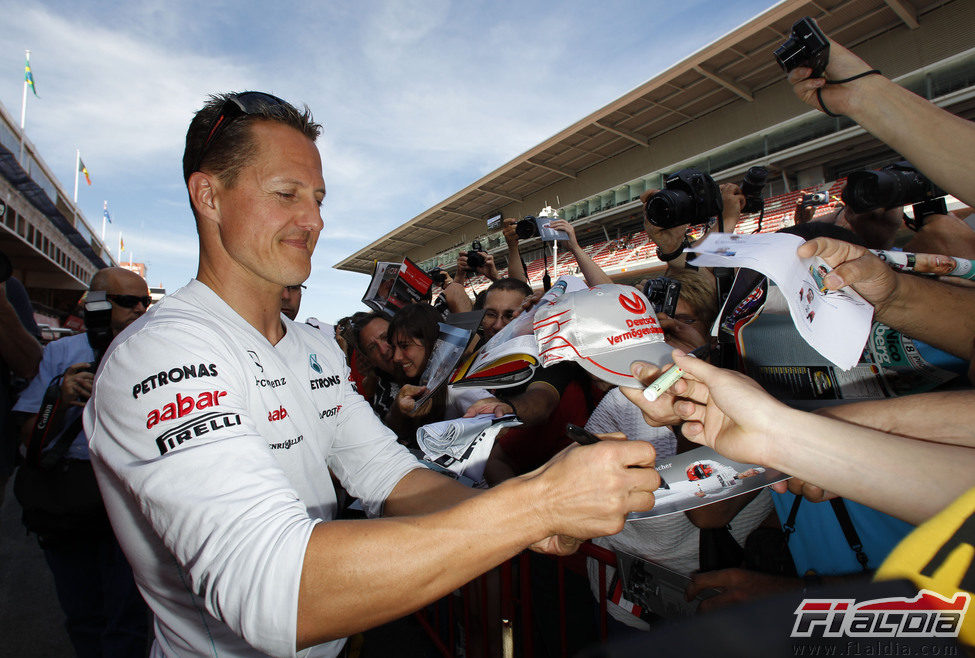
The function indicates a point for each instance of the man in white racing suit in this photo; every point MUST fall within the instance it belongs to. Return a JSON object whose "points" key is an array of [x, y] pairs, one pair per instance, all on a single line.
{"points": [[215, 420]]}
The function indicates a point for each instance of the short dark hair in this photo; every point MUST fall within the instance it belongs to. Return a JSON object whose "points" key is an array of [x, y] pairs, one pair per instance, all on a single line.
{"points": [[234, 146], [420, 321], [361, 319], [508, 283]]}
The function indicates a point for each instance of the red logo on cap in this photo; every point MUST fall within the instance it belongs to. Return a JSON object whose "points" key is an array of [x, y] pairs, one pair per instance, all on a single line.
{"points": [[635, 305]]}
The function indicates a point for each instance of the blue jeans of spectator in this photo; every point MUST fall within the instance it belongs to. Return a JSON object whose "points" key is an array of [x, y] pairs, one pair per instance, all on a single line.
{"points": [[105, 614]]}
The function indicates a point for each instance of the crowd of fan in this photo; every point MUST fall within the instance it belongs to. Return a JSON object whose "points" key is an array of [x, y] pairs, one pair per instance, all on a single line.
{"points": [[880, 503], [886, 465]]}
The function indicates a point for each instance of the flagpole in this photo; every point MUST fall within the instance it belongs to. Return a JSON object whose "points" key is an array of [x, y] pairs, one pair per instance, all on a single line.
{"points": [[23, 113], [77, 169], [104, 217], [119, 258]]}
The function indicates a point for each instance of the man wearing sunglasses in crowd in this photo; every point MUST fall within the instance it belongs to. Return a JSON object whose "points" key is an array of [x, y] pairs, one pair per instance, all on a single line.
{"points": [[217, 485], [291, 300], [104, 614]]}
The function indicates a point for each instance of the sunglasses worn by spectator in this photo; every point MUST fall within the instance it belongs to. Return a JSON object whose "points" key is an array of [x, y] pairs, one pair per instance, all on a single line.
{"points": [[129, 301], [297, 287], [236, 105]]}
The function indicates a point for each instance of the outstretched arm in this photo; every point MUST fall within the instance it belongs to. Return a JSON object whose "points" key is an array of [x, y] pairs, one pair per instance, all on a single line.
{"points": [[904, 477], [937, 142], [516, 269], [358, 574], [935, 312], [593, 274]]}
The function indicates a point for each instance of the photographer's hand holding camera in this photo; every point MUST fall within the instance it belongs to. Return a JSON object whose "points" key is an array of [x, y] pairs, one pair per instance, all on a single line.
{"points": [[129, 295], [935, 141], [733, 203], [668, 240], [475, 261]]}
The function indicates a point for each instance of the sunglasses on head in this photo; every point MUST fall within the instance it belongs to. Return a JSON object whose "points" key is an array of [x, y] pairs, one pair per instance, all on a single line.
{"points": [[129, 301], [236, 105]]}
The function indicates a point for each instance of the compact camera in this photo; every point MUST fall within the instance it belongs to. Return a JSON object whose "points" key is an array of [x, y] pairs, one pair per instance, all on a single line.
{"points": [[752, 187], [814, 199], [663, 293], [806, 46], [899, 184], [689, 197]]}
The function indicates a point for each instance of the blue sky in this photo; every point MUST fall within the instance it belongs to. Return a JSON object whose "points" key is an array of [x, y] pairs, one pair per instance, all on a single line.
{"points": [[418, 99]]}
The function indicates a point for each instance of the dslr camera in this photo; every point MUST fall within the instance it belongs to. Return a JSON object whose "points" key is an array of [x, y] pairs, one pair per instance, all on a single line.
{"points": [[526, 228], [439, 276], [474, 259], [689, 197], [752, 187], [806, 46], [98, 321], [899, 184]]}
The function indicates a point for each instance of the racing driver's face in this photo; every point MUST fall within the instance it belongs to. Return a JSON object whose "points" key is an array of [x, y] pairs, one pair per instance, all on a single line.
{"points": [[271, 217]]}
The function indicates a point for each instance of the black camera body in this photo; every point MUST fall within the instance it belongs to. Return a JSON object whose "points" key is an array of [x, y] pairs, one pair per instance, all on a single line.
{"points": [[689, 197], [98, 321], [806, 46], [752, 186], [474, 259], [896, 185], [526, 228], [814, 199], [439, 276], [663, 294]]}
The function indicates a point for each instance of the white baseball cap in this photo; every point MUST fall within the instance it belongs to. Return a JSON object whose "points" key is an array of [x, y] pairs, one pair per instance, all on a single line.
{"points": [[605, 329]]}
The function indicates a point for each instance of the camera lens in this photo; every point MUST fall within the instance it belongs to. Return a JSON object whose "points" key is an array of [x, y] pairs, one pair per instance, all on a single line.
{"points": [[669, 208], [867, 190], [526, 228], [790, 54]]}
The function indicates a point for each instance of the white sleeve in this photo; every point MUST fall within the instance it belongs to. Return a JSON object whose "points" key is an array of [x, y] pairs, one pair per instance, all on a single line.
{"points": [[365, 455], [205, 481]]}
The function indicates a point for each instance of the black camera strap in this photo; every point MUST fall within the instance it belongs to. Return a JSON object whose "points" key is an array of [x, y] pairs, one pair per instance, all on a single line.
{"points": [[42, 427], [819, 91]]}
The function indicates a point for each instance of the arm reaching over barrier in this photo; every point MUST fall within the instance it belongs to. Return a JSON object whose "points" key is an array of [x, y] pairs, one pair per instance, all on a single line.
{"points": [[898, 475], [932, 311]]}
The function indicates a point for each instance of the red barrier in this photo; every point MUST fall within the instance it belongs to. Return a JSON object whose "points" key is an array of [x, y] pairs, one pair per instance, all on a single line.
{"points": [[496, 609]]}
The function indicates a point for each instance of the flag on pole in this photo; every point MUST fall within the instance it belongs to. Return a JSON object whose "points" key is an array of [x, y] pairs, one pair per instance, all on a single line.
{"points": [[105, 214], [84, 170], [28, 76], [121, 243]]}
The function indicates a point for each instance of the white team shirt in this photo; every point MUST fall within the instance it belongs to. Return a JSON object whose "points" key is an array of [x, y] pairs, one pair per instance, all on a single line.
{"points": [[212, 449]]}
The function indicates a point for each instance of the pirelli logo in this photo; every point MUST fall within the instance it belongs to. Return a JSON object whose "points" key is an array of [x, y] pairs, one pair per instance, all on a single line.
{"points": [[191, 429]]}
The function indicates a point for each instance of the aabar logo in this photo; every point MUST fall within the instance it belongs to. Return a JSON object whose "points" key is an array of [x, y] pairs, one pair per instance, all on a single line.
{"points": [[279, 414], [184, 405], [634, 305], [313, 362], [256, 361]]}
